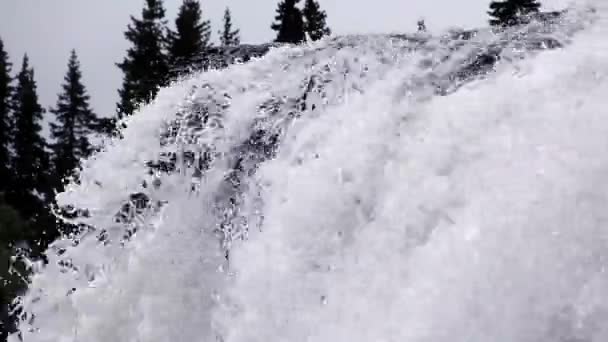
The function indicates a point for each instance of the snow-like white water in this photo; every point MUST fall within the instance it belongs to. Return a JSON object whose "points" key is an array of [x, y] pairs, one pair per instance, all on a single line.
{"points": [[371, 209]]}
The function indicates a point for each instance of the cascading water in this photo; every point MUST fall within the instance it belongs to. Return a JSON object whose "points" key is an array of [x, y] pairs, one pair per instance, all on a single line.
{"points": [[374, 188]]}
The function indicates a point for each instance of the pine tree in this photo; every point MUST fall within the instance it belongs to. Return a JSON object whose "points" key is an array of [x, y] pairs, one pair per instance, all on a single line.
{"points": [[315, 25], [105, 126], [191, 37], [5, 118], [511, 12], [13, 271], [75, 121], [289, 23], [31, 188], [229, 36], [145, 66]]}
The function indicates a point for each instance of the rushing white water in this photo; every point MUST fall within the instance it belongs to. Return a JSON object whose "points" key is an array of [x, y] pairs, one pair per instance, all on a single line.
{"points": [[359, 189]]}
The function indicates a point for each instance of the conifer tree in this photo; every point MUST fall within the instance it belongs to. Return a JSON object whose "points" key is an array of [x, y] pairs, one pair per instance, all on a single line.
{"points": [[229, 36], [5, 118], [511, 12], [105, 126], [145, 66], [315, 20], [289, 23], [191, 37], [74, 122], [13, 271], [31, 188]]}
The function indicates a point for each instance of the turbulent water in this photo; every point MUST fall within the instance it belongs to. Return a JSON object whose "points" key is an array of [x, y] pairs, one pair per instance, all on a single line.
{"points": [[374, 188]]}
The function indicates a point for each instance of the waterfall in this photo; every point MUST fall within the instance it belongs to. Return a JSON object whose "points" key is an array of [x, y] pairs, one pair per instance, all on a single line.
{"points": [[411, 188]]}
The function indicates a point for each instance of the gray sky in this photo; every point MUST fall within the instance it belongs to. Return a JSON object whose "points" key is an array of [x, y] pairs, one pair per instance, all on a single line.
{"points": [[48, 29]]}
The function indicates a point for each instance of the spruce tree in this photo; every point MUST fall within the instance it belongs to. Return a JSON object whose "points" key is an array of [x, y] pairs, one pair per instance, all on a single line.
{"points": [[5, 118], [145, 66], [191, 37], [229, 36], [30, 189], [13, 271], [74, 122], [289, 23], [511, 12], [315, 20]]}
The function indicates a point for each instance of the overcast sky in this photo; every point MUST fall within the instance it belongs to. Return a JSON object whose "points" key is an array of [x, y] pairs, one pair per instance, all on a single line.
{"points": [[48, 29]]}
